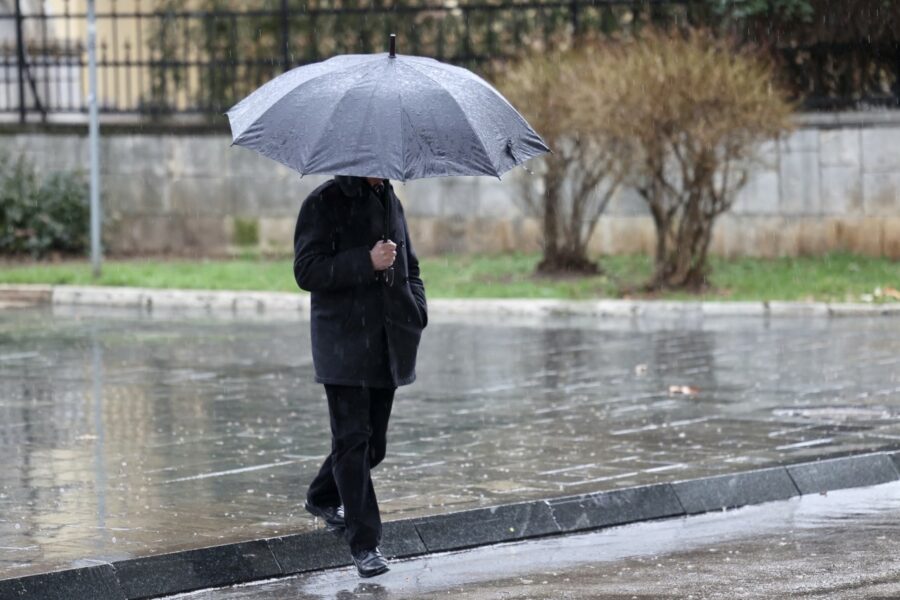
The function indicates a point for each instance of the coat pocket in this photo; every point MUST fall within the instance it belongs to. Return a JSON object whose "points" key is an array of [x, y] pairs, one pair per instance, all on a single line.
{"points": [[351, 309], [416, 309]]}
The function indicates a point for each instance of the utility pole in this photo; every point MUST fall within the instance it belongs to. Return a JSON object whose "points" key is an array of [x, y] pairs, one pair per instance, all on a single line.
{"points": [[94, 135]]}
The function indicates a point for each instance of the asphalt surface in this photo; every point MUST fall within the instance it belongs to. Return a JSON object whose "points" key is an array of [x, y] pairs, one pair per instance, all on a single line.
{"points": [[841, 545], [125, 433]]}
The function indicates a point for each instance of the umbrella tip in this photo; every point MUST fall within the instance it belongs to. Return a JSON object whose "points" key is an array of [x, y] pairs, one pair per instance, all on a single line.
{"points": [[393, 45]]}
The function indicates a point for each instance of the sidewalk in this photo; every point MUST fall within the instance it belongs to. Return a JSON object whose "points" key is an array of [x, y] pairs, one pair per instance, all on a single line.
{"points": [[129, 433], [248, 304], [840, 545]]}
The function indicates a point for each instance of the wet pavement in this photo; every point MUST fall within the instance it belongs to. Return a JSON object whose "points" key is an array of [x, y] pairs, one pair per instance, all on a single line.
{"points": [[126, 434], [840, 545]]}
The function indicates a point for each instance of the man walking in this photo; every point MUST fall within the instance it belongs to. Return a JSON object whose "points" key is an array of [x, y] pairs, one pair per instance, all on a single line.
{"points": [[352, 252]]}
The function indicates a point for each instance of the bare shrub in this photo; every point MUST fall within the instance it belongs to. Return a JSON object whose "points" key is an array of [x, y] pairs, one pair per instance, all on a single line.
{"points": [[692, 111], [572, 186]]}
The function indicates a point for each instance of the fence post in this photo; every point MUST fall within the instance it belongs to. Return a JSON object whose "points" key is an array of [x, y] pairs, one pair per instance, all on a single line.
{"points": [[20, 51], [285, 37], [573, 7]]}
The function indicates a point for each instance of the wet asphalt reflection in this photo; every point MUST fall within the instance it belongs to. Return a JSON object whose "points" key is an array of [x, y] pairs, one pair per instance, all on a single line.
{"points": [[125, 434]]}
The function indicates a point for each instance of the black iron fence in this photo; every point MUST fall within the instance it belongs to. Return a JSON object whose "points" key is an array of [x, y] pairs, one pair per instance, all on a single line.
{"points": [[158, 60]]}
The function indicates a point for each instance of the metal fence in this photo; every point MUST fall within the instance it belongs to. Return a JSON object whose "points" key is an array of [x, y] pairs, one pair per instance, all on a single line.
{"points": [[158, 61]]}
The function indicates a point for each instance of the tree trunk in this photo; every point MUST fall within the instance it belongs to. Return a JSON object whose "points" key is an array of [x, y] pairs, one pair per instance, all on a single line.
{"points": [[661, 222], [566, 262], [683, 264], [551, 216], [561, 256]]}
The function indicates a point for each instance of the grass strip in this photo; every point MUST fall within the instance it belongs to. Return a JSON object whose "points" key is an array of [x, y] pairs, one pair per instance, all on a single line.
{"points": [[833, 278]]}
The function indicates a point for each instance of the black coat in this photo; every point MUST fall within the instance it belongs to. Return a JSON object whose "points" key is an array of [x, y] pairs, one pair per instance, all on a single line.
{"points": [[364, 331]]}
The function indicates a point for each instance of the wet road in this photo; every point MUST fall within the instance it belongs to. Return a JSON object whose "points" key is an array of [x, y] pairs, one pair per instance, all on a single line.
{"points": [[124, 434], [843, 545]]}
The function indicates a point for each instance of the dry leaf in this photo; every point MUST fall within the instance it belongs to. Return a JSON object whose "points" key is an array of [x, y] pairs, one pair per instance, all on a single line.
{"points": [[684, 390]]}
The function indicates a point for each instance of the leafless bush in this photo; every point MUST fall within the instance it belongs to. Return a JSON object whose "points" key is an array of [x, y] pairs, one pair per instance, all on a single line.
{"points": [[689, 112], [573, 185]]}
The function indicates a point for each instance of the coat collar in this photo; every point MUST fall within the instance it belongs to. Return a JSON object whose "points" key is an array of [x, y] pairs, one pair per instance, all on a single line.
{"points": [[350, 186], [355, 187]]}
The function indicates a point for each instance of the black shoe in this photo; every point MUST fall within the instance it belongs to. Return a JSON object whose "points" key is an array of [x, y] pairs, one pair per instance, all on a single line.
{"points": [[332, 515], [370, 563]]}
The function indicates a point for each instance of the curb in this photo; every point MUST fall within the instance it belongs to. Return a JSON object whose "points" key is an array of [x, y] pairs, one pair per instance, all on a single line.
{"points": [[230, 564], [240, 303]]}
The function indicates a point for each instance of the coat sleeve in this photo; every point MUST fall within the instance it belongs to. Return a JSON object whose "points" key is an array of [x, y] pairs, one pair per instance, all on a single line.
{"points": [[416, 285], [317, 265]]}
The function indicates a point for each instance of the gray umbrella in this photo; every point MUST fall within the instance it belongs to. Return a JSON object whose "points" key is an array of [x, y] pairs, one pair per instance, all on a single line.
{"points": [[384, 115]]}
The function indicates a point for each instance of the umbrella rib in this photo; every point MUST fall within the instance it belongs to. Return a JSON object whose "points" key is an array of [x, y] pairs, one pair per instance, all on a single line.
{"points": [[456, 102]]}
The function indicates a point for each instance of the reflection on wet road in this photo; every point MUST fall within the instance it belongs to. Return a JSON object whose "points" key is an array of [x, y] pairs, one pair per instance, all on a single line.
{"points": [[126, 434]]}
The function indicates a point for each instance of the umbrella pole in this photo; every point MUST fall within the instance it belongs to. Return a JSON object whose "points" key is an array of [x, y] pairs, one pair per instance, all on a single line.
{"points": [[393, 53]]}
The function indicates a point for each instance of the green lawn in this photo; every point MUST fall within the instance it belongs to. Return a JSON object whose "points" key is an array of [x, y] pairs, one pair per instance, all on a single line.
{"points": [[838, 277]]}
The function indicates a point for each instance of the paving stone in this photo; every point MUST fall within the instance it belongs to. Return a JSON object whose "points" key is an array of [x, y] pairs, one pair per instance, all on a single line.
{"points": [[196, 569], [198, 155], [761, 195], [839, 473], [842, 191], [401, 538], [881, 194], [879, 150], [310, 551], [135, 195], [840, 147], [802, 140], [321, 550], [616, 507], [800, 184], [190, 196], [486, 526], [739, 489], [95, 583]]}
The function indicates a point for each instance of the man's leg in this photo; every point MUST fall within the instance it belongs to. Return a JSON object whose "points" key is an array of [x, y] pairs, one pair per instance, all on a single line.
{"points": [[351, 429], [323, 490], [382, 399]]}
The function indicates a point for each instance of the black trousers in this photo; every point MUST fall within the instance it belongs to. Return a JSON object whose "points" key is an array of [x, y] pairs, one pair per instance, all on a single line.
{"points": [[359, 419]]}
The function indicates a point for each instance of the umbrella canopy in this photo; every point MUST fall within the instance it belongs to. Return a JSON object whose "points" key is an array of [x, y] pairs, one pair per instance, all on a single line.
{"points": [[384, 115]]}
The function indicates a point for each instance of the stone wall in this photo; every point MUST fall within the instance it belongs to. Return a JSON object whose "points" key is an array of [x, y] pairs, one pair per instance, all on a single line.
{"points": [[834, 184]]}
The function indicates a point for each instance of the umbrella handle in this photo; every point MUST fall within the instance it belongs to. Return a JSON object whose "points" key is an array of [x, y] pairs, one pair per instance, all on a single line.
{"points": [[388, 201], [387, 276], [387, 220]]}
